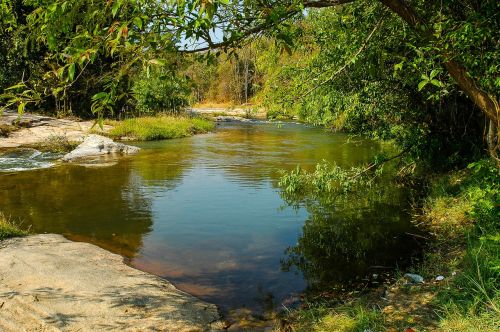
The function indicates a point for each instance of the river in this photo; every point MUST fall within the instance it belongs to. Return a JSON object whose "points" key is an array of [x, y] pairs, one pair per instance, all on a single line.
{"points": [[206, 214]]}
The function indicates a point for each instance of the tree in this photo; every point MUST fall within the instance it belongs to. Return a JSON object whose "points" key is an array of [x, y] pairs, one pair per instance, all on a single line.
{"points": [[138, 32], [434, 29]]}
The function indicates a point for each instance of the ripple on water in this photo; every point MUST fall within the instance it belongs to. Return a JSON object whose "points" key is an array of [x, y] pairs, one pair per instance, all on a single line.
{"points": [[26, 159]]}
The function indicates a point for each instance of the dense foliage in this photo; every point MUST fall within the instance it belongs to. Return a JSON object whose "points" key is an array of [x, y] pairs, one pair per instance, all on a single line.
{"points": [[382, 81], [420, 72]]}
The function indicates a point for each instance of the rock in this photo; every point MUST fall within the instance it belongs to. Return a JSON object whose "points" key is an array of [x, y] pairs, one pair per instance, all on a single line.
{"points": [[31, 129], [49, 283], [229, 118], [439, 278], [96, 145], [414, 278]]}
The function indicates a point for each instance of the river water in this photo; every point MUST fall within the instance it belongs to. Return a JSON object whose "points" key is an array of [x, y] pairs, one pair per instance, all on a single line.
{"points": [[206, 214]]}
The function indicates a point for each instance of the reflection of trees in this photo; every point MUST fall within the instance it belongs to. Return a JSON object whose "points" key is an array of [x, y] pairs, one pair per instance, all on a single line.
{"points": [[341, 244], [109, 206], [255, 152], [86, 203], [164, 163]]}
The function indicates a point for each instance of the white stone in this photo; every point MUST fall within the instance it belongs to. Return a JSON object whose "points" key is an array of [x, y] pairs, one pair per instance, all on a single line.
{"points": [[415, 278], [96, 145]]}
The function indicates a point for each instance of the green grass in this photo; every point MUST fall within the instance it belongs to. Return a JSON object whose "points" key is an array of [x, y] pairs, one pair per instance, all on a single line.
{"points": [[9, 229], [472, 302], [320, 317], [160, 127]]}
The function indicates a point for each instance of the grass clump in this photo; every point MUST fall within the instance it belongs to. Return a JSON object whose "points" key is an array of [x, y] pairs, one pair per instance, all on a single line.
{"points": [[6, 129], [9, 229], [354, 317], [160, 127], [55, 144]]}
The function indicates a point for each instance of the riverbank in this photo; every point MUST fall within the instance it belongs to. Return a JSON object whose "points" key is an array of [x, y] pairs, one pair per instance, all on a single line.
{"points": [[49, 134], [228, 110], [51, 283], [32, 130], [460, 269]]}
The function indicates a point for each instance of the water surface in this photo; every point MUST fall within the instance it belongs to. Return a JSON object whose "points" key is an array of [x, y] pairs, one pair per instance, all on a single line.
{"points": [[205, 213]]}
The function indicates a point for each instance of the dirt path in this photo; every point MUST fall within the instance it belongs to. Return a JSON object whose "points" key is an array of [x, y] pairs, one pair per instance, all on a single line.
{"points": [[48, 283]]}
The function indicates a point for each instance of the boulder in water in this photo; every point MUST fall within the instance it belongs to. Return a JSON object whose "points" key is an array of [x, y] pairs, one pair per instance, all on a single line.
{"points": [[97, 145]]}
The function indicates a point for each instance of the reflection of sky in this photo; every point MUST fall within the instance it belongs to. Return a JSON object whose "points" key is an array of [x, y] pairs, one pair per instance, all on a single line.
{"points": [[233, 235]]}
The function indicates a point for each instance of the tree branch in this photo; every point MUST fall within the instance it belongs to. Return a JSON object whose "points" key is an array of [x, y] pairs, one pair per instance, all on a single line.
{"points": [[348, 62], [487, 103], [325, 3]]}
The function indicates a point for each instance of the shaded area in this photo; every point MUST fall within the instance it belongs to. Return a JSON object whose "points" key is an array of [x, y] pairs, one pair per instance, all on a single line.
{"points": [[356, 242]]}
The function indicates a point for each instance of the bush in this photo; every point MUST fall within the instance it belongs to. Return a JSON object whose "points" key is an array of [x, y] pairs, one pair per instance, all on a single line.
{"points": [[160, 92]]}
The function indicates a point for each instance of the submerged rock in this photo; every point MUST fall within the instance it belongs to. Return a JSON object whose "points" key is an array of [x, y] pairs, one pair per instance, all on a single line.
{"points": [[97, 145]]}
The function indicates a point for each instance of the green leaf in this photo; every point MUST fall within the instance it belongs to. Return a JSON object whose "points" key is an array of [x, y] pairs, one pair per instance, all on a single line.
{"points": [[17, 86], [115, 8], [71, 72], [436, 83], [20, 108], [422, 84], [138, 22], [434, 72], [157, 62], [99, 95]]}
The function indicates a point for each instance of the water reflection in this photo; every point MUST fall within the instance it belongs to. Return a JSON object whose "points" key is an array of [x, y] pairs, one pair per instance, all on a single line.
{"points": [[86, 204], [205, 213], [349, 241]]}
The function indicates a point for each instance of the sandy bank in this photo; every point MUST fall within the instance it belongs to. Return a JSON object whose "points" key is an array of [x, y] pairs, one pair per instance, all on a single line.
{"points": [[48, 283]]}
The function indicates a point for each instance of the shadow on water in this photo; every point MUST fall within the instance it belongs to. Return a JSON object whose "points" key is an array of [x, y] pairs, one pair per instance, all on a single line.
{"points": [[205, 213], [354, 243]]}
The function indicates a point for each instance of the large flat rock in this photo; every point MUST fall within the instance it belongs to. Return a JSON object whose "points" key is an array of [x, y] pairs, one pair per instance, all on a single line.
{"points": [[37, 128], [48, 283]]}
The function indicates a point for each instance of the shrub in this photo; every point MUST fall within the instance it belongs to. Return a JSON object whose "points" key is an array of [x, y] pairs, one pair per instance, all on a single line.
{"points": [[160, 92]]}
